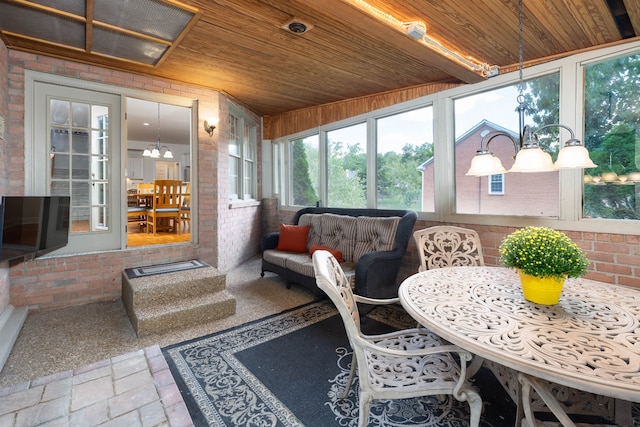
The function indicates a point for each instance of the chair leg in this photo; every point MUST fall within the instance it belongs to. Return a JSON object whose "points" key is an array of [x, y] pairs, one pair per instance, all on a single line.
{"points": [[365, 403], [474, 366], [475, 406], [354, 365]]}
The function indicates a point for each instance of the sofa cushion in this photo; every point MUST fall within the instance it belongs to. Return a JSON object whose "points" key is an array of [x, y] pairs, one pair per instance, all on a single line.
{"points": [[375, 234], [301, 263], [314, 220], [293, 238], [336, 253], [275, 257], [339, 232]]}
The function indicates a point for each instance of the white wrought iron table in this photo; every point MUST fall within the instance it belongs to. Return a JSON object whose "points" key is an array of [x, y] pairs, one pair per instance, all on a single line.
{"points": [[589, 341]]}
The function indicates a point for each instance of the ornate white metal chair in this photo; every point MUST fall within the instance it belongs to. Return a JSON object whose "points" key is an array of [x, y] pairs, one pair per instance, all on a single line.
{"points": [[448, 246], [397, 365]]}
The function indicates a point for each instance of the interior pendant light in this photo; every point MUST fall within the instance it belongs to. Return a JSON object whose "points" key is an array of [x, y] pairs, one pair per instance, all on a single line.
{"points": [[154, 150], [529, 156]]}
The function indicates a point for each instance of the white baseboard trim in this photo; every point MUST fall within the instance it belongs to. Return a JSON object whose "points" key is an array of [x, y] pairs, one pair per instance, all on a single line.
{"points": [[11, 321]]}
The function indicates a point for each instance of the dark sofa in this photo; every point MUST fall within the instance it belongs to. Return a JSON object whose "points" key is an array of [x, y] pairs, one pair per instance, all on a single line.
{"points": [[372, 240]]}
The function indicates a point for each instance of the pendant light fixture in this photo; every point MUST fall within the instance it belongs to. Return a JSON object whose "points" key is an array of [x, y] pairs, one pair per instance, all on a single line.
{"points": [[529, 156], [154, 150]]}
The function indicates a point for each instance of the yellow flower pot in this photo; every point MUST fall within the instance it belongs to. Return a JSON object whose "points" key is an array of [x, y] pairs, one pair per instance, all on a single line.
{"points": [[541, 290]]}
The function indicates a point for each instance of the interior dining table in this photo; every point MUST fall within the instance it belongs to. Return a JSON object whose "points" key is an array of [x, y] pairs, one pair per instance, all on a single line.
{"points": [[588, 344]]}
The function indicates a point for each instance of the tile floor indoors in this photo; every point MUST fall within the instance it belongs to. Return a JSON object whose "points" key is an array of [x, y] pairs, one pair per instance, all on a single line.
{"points": [[85, 366]]}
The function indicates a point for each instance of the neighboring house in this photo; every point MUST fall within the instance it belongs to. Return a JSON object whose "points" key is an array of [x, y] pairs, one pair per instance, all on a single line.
{"points": [[503, 194]]}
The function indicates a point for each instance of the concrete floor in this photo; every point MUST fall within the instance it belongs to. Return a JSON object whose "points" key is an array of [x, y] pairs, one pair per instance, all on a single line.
{"points": [[57, 341]]}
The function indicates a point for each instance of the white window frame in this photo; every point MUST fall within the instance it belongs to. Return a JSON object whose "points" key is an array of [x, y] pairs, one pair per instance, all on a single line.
{"points": [[499, 182], [246, 136], [571, 71], [34, 184]]}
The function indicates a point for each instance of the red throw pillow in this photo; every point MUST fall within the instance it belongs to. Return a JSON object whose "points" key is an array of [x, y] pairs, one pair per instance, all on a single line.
{"points": [[293, 238], [336, 253]]}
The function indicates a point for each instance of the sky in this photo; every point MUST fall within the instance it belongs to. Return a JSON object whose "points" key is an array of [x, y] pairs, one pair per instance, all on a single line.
{"points": [[416, 127]]}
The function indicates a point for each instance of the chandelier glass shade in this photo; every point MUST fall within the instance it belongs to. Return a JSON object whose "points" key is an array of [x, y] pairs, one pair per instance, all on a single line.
{"points": [[529, 156], [155, 151]]}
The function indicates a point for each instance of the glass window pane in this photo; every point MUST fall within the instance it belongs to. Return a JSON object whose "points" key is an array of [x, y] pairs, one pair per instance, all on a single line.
{"points": [[305, 171], [347, 167], [59, 140], [80, 115], [100, 117], [234, 166], [80, 219], [249, 142], [405, 161], [495, 110], [234, 136], [60, 188], [612, 136], [80, 142], [60, 166], [59, 111], [248, 180], [496, 186], [80, 167]]}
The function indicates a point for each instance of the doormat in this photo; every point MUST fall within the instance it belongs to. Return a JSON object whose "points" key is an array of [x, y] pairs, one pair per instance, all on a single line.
{"points": [[150, 270]]}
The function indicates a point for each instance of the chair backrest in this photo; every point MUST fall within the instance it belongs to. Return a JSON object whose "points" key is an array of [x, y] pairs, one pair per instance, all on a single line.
{"points": [[448, 246], [145, 188], [186, 198], [168, 194], [331, 279]]}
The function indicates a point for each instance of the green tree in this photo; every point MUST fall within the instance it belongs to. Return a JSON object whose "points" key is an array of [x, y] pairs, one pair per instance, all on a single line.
{"points": [[399, 181], [612, 116], [345, 166], [303, 191]]}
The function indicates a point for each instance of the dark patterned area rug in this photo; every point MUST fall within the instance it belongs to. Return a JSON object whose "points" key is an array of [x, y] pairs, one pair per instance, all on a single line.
{"points": [[288, 370]]}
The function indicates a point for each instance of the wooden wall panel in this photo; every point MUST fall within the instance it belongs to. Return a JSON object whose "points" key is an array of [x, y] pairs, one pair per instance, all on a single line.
{"points": [[308, 118]]}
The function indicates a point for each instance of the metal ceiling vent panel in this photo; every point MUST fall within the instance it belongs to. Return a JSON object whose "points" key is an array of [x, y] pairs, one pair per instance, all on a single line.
{"points": [[140, 31]]}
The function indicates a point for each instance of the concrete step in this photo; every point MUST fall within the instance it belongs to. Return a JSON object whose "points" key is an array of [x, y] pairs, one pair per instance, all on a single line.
{"points": [[172, 300], [167, 287], [183, 313]]}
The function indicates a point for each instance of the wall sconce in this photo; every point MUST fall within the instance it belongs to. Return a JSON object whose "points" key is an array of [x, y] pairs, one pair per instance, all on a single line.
{"points": [[529, 155], [209, 128]]}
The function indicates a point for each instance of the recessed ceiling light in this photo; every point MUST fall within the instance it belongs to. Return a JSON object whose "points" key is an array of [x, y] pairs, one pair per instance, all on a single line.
{"points": [[296, 26]]}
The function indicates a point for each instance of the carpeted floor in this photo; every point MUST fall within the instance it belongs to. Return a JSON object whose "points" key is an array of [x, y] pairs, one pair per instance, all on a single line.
{"points": [[289, 369]]}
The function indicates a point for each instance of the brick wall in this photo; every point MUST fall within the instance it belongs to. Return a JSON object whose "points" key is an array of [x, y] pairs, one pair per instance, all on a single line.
{"points": [[615, 258], [47, 283], [240, 225]]}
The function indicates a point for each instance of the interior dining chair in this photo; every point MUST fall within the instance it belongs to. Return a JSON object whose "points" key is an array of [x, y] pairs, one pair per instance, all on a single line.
{"points": [[136, 214], [164, 213], [397, 365], [185, 207], [448, 246]]}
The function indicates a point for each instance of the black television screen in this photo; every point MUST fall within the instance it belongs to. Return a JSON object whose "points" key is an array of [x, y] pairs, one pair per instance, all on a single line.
{"points": [[32, 226]]}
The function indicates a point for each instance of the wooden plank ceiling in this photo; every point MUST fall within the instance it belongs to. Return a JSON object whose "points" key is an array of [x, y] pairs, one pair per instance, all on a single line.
{"points": [[239, 46]]}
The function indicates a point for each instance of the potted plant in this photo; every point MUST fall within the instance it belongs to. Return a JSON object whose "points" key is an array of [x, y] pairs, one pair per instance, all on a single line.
{"points": [[542, 254]]}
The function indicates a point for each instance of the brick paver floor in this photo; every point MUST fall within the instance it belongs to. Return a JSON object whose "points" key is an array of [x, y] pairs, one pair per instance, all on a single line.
{"points": [[135, 389]]}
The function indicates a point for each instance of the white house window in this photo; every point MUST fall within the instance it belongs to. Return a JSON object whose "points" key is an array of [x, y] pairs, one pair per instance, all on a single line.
{"points": [[242, 157], [496, 184]]}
